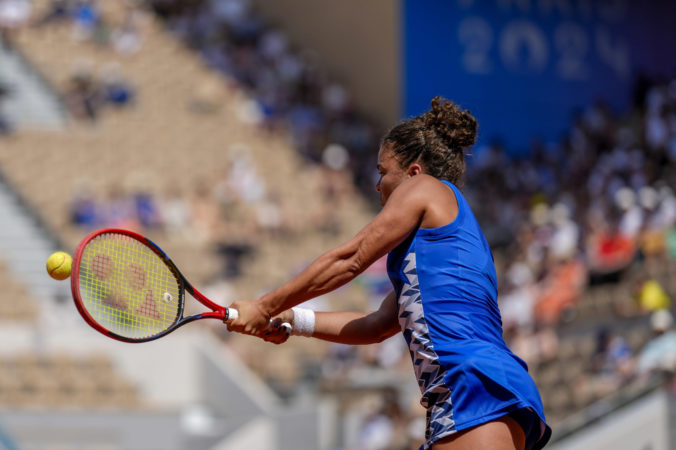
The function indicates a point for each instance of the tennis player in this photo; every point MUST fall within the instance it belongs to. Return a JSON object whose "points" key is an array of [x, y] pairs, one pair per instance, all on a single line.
{"points": [[477, 393]]}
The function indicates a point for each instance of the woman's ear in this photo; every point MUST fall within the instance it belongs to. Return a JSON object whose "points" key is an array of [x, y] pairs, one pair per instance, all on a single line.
{"points": [[414, 169]]}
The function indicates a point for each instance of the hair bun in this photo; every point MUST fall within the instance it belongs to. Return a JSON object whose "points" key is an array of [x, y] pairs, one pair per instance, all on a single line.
{"points": [[456, 128]]}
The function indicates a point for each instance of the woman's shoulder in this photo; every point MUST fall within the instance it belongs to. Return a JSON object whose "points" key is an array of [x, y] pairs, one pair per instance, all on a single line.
{"points": [[425, 183], [431, 188], [440, 200], [425, 193]]}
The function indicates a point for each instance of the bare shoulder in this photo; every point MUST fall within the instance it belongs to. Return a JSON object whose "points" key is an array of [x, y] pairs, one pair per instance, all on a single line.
{"points": [[437, 200], [424, 185]]}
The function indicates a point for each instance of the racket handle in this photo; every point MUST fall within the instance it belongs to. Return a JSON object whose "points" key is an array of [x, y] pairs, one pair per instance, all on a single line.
{"points": [[233, 314]]}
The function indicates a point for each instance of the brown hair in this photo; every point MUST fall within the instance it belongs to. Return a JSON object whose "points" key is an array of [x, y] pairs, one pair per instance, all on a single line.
{"points": [[436, 140]]}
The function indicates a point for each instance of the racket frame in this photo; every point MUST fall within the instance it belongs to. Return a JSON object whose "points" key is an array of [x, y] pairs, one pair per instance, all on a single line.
{"points": [[217, 311]]}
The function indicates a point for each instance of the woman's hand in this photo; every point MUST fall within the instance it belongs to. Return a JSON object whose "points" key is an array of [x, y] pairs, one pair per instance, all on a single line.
{"points": [[276, 333], [252, 318]]}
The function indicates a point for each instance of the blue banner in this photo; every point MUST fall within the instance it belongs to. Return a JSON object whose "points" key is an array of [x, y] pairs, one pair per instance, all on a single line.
{"points": [[523, 66]]}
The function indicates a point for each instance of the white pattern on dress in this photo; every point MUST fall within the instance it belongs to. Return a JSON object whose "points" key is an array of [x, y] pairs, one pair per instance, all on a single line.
{"points": [[426, 365]]}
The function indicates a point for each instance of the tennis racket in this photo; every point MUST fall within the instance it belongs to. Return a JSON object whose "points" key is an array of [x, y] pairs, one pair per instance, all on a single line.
{"points": [[128, 289]]}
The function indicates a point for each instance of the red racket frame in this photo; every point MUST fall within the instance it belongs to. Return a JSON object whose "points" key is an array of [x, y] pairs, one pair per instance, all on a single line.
{"points": [[218, 311]]}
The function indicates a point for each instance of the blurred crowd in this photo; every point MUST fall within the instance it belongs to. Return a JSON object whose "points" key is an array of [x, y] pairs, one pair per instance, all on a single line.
{"points": [[238, 195], [89, 23], [290, 89], [583, 210], [86, 92], [232, 211]]}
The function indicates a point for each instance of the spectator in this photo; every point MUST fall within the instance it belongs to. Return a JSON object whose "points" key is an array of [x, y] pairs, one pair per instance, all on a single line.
{"points": [[83, 96], [612, 366], [269, 215], [660, 352], [613, 357], [58, 10], [116, 91], [651, 238], [86, 19], [85, 209], [631, 220], [119, 209], [205, 216], [671, 242], [13, 14], [560, 290], [147, 211], [609, 251], [126, 39], [175, 214], [651, 296], [87, 95]]}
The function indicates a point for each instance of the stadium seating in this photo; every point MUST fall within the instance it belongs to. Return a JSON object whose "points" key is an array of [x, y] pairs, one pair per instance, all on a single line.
{"points": [[61, 382]]}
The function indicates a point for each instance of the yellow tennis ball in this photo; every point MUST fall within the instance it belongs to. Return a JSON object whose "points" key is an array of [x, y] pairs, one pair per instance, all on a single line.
{"points": [[59, 265]]}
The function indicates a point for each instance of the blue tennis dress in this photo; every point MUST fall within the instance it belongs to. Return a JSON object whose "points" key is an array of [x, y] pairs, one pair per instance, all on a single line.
{"points": [[446, 288]]}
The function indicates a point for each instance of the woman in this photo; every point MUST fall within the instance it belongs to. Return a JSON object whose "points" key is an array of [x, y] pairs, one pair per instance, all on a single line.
{"points": [[477, 393]]}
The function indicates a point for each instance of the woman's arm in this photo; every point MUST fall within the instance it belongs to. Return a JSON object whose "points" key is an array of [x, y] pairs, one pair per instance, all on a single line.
{"points": [[401, 214], [353, 328]]}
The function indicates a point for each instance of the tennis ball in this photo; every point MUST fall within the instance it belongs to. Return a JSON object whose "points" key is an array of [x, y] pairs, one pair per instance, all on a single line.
{"points": [[59, 265]]}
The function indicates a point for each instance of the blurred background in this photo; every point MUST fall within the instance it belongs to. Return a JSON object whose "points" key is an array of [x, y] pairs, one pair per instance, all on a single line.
{"points": [[241, 136]]}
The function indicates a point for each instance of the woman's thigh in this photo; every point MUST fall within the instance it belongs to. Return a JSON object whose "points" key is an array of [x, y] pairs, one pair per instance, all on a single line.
{"points": [[500, 434]]}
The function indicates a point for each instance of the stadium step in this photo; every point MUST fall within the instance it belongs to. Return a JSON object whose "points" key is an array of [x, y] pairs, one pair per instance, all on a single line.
{"points": [[30, 102], [25, 246]]}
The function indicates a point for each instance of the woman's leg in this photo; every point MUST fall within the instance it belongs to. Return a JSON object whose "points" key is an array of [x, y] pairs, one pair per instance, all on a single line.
{"points": [[500, 434]]}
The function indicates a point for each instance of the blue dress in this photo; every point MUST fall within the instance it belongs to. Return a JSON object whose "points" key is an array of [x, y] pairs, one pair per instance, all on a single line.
{"points": [[446, 289]]}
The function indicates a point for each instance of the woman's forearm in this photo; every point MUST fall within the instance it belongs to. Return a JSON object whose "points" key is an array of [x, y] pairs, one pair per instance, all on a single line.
{"points": [[352, 328], [356, 328]]}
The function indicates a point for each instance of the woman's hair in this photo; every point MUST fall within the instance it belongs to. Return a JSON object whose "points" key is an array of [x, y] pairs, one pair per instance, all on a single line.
{"points": [[436, 140]]}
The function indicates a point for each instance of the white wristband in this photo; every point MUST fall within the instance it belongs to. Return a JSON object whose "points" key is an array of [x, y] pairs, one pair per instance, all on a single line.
{"points": [[303, 322]]}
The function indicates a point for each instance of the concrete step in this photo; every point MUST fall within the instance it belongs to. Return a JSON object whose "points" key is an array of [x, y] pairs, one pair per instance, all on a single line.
{"points": [[31, 104], [25, 247], [13, 244]]}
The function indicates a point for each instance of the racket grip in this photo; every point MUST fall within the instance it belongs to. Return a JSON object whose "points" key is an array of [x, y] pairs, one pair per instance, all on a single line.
{"points": [[233, 314]]}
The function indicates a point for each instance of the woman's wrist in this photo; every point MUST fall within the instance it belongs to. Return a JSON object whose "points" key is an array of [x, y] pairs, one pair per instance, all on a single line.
{"points": [[271, 303], [303, 322], [264, 306]]}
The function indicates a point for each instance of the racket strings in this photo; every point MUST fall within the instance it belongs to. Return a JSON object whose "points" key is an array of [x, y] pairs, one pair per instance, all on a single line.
{"points": [[127, 288]]}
